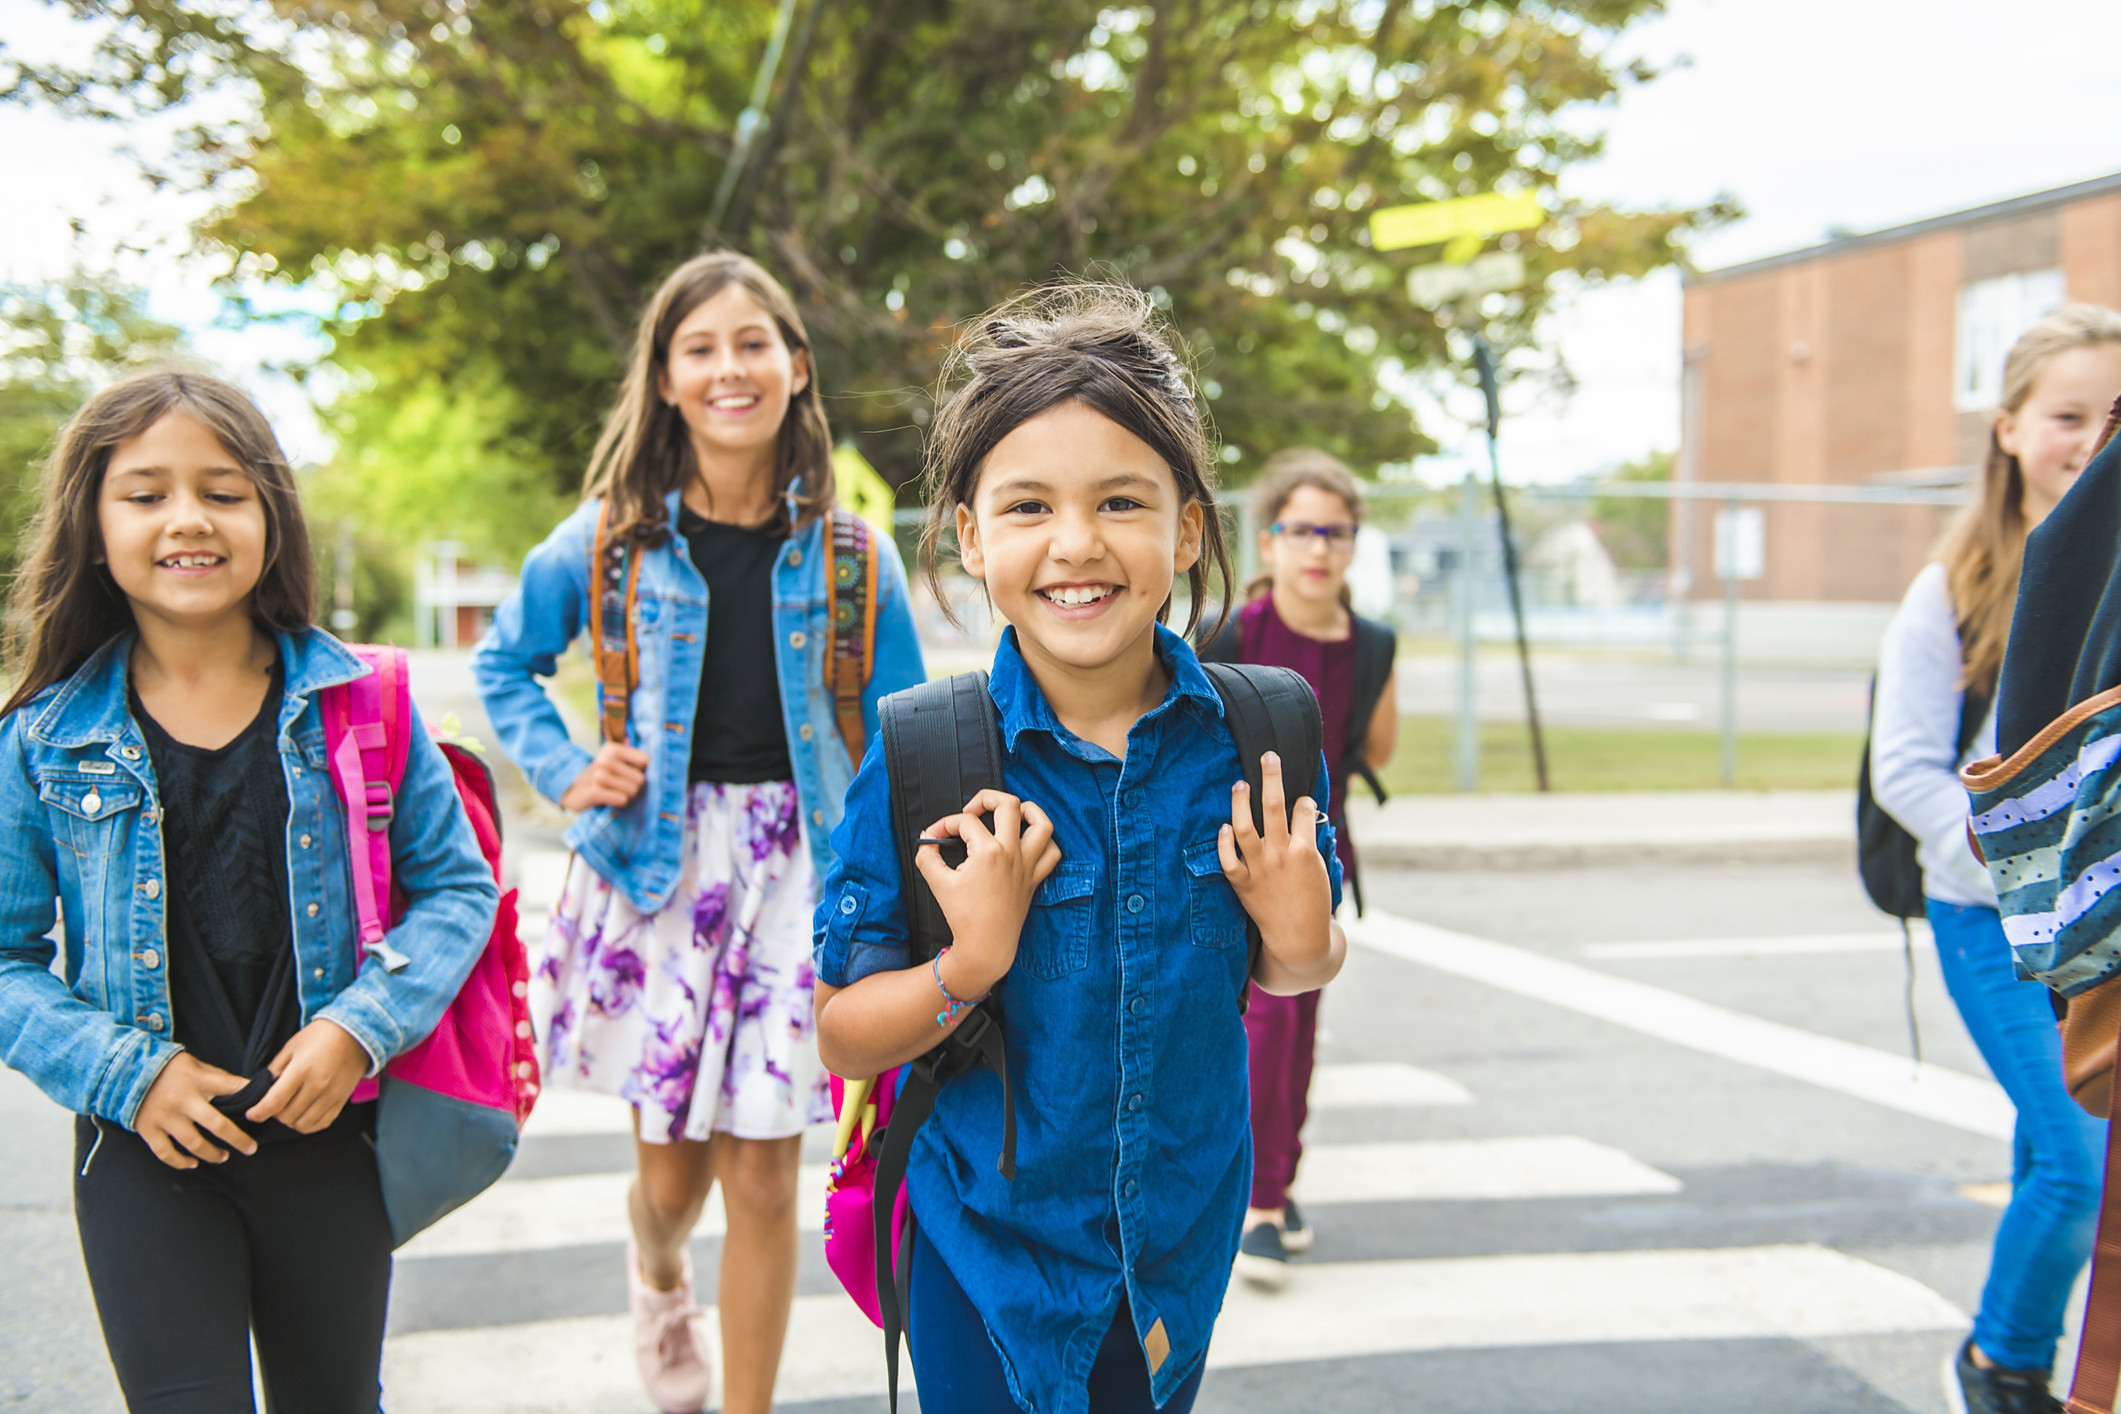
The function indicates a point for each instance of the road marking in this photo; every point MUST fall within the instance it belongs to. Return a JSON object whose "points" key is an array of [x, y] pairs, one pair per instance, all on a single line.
{"points": [[1329, 1310], [1351, 1086], [1753, 947], [1930, 1091], [580, 1210], [1439, 1170]]}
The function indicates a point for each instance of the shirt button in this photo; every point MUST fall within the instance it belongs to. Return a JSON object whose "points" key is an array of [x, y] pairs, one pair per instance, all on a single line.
{"points": [[1137, 1006], [795, 557], [152, 888], [312, 910], [796, 639], [817, 817], [847, 905], [297, 771], [305, 841], [1134, 1104], [1134, 799], [318, 974], [1128, 1188], [1135, 903], [805, 731], [150, 959]]}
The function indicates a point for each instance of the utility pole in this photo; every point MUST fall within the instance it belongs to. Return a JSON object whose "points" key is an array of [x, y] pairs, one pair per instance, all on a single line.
{"points": [[1484, 361]]}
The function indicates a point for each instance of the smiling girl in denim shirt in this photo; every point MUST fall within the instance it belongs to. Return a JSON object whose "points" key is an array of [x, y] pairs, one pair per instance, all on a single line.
{"points": [[164, 791], [1105, 889], [676, 974]]}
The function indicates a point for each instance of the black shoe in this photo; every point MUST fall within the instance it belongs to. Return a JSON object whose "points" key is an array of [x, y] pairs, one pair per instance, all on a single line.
{"points": [[1261, 1258], [1971, 1389], [1296, 1234]]}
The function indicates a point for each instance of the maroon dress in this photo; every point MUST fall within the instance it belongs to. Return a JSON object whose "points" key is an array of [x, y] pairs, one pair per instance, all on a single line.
{"points": [[1284, 1030]]}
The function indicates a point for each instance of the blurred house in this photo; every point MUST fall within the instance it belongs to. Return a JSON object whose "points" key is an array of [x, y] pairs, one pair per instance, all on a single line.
{"points": [[453, 600], [1873, 358]]}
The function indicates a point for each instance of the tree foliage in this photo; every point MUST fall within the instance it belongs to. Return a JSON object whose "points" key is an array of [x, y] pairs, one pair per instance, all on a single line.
{"points": [[489, 190], [1635, 528]]}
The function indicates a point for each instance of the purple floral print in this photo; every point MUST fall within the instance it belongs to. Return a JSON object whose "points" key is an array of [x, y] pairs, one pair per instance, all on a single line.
{"points": [[700, 1014]]}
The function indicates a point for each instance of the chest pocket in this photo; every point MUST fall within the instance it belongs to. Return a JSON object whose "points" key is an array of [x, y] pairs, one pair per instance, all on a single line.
{"points": [[88, 813], [1215, 919], [1056, 938]]}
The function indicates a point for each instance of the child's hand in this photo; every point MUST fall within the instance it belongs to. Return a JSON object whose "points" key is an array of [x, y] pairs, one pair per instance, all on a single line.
{"points": [[985, 898], [614, 778], [178, 1119], [1280, 879], [314, 1073]]}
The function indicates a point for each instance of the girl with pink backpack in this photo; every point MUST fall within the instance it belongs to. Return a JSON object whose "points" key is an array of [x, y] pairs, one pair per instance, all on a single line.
{"points": [[166, 788]]}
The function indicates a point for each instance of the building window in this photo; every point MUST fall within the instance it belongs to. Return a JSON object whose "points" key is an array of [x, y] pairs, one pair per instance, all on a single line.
{"points": [[1992, 314]]}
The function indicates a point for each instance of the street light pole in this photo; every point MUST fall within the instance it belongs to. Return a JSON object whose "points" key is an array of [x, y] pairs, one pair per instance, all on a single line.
{"points": [[1484, 361]]}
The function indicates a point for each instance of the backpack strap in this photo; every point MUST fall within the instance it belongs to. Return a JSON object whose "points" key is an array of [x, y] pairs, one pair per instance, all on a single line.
{"points": [[852, 659], [2093, 1387], [366, 725], [1375, 647], [614, 582], [1268, 709]]}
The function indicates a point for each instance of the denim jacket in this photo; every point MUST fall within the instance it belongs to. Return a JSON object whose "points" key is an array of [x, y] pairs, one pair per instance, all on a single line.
{"points": [[77, 797], [636, 847]]}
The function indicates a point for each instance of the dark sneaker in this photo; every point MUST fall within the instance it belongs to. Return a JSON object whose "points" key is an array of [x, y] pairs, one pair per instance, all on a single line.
{"points": [[1296, 1234], [1261, 1258], [1969, 1389]]}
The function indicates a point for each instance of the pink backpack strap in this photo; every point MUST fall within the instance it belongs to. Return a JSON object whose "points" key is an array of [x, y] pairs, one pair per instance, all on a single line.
{"points": [[365, 735]]}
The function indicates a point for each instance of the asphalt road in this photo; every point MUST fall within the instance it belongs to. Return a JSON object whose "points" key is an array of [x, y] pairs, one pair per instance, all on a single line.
{"points": [[1547, 1173]]}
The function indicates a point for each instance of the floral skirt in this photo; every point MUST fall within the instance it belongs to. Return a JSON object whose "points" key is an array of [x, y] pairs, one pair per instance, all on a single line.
{"points": [[699, 1014]]}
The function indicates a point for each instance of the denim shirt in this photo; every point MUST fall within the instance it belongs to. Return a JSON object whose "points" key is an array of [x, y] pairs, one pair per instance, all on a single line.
{"points": [[77, 796], [1127, 1052], [636, 847]]}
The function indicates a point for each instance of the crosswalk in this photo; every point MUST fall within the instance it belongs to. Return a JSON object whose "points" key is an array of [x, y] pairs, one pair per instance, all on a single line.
{"points": [[516, 1302]]}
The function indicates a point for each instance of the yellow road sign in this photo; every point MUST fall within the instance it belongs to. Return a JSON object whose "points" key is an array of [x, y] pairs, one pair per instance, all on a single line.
{"points": [[863, 489], [1433, 222]]}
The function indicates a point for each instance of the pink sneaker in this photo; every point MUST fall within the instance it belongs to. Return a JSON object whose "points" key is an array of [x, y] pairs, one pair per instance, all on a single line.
{"points": [[667, 1341]]}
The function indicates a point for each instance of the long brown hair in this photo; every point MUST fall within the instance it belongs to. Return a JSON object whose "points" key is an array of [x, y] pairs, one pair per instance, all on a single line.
{"points": [[63, 604], [1282, 476], [1103, 346], [1984, 548], [645, 450]]}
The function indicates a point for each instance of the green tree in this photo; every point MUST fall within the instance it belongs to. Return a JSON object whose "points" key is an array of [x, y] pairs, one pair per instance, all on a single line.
{"points": [[488, 191], [60, 341], [1634, 529]]}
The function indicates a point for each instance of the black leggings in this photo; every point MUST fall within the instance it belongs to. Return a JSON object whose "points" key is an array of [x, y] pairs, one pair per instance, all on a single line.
{"points": [[289, 1244]]}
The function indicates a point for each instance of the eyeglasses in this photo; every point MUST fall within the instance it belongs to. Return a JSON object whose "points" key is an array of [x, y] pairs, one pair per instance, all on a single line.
{"points": [[1337, 538]]}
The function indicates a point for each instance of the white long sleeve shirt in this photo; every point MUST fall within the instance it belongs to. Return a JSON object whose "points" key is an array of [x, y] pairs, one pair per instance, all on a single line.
{"points": [[1915, 756]]}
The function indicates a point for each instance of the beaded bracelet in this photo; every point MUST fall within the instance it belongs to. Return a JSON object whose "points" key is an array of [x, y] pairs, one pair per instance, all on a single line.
{"points": [[952, 1007]]}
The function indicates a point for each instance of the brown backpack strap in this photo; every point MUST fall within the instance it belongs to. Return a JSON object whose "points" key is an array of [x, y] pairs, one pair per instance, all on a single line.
{"points": [[852, 659], [2099, 1351], [614, 577], [2113, 423]]}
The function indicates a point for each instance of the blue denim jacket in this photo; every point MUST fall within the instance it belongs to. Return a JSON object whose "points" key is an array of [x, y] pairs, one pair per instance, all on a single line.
{"points": [[1127, 1052], [77, 798], [635, 848]]}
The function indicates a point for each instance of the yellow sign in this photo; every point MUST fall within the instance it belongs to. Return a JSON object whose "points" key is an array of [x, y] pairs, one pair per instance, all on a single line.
{"points": [[1434, 222], [863, 489]]}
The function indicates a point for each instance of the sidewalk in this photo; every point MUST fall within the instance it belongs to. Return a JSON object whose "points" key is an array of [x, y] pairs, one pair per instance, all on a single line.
{"points": [[1570, 830]]}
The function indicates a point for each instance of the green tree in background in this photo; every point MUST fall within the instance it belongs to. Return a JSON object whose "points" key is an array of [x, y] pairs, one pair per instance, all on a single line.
{"points": [[59, 342], [488, 191], [1634, 528]]}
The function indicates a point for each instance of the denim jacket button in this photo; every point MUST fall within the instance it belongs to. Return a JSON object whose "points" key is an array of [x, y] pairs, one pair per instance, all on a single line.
{"points": [[150, 959], [130, 753], [795, 557], [817, 817], [805, 732], [152, 888], [1136, 903], [152, 1022], [305, 841], [312, 910], [796, 639], [91, 803]]}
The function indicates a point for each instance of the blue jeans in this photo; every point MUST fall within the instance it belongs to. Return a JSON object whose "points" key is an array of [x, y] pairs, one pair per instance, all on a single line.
{"points": [[2058, 1151], [958, 1371]]}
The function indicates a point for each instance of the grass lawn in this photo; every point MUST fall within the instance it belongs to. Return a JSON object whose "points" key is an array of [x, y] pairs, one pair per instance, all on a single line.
{"points": [[1621, 758]]}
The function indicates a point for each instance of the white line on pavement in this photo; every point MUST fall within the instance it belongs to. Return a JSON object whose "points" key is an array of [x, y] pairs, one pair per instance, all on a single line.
{"points": [[1364, 1085], [581, 1210], [1329, 1310], [1753, 947], [1931, 1091]]}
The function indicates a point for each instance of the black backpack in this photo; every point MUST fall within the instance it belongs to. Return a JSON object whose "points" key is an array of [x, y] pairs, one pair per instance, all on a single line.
{"points": [[1885, 852], [942, 746]]}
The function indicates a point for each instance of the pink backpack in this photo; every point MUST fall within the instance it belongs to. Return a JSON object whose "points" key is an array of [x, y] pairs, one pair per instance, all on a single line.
{"points": [[452, 1107], [864, 1109]]}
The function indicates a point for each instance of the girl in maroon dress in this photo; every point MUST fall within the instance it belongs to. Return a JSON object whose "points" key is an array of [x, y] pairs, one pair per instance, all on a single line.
{"points": [[1297, 615]]}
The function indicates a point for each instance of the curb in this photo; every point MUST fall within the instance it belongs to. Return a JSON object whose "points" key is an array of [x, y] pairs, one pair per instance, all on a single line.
{"points": [[1519, 855]]}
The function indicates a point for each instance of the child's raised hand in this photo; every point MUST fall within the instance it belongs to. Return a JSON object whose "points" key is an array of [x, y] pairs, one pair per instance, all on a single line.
{"points": [[1280, 877], [613, 778], [178, 1120], [313, 1074], [986, 898]]}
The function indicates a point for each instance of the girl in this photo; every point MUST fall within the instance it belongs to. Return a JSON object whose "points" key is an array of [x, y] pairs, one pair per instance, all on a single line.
{"points": [[1939, 661], [676, 973], [1105, 889], [1299, 617], [163, 783]]}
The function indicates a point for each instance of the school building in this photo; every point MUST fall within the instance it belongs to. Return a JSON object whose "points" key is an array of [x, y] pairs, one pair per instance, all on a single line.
{"points": [[1872, 359]]}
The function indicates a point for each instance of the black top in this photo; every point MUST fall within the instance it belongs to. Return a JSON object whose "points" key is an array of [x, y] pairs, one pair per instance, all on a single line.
{"points": [[739, 736], [233, 1002]]}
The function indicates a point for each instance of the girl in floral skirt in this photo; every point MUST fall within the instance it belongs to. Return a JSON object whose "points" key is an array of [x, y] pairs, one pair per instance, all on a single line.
{"points": [[676, 972]]}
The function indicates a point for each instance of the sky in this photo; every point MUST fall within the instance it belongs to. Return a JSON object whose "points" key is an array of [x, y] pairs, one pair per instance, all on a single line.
{"points": [[1814, 114]]}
